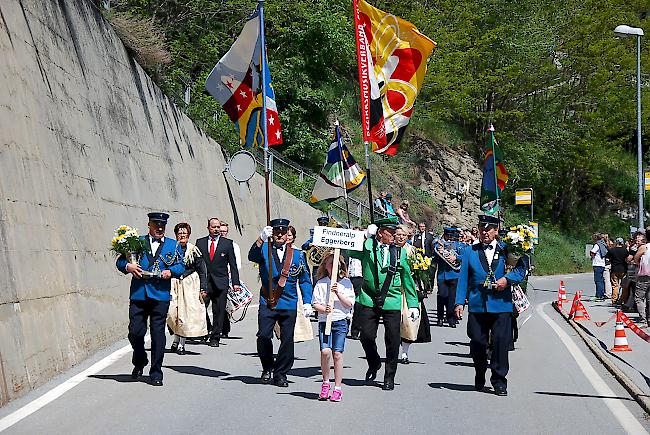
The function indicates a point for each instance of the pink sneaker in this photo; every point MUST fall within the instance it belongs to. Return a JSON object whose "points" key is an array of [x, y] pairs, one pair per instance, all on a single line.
{"points": [[324, 391], [336, 395]]}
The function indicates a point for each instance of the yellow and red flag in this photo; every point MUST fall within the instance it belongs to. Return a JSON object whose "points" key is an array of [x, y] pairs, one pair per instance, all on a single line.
{"points": [[392, 56]]}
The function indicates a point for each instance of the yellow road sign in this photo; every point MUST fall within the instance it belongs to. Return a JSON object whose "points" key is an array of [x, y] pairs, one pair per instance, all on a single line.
{"points": [[646, 181], [523, 197]]}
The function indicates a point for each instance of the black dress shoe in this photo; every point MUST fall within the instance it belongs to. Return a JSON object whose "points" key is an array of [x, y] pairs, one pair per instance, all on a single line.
{"points": [[156, 382], [136, 373], [389, 384], [452, 325], [439, 323], [500, 391], [174, 347], [371, 374], [266, 376], [280, 381], [405, 360], [214, 343], [180, 350]]}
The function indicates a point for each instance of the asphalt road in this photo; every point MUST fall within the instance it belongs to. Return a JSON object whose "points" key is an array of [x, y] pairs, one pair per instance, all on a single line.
{"points": [[216, 390]]}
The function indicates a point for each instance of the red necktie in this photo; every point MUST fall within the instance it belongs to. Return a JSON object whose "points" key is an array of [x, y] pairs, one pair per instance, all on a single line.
{"points": [[212, 249]]}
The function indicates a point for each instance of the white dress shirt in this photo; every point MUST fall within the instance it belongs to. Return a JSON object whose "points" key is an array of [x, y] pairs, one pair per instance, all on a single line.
{"points": [[280, 252], [156, 244], [490, 249], [237, 254]]}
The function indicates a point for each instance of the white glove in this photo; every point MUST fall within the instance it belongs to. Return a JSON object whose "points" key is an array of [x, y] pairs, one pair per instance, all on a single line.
{"points": [[414, 314], [307, 310], [372, 230], [266, 233]]}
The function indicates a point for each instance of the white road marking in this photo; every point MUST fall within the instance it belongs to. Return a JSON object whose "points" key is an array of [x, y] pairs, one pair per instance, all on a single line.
{"points": [[627, 420], [63, 387]]}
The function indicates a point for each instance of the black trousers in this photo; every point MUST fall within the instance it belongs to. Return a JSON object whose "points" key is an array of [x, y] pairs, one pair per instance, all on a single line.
{"points": [[447, 300], [368, 321], [218, 298], [479, 327], [357, 283], [266, 319], [156, 312]]}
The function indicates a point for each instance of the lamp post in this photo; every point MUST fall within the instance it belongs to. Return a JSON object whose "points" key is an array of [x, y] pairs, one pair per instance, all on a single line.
{"points": [[625, 31]]}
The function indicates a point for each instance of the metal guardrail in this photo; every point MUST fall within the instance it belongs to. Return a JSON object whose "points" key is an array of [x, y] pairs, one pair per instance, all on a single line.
{"points": [[286, 173]]}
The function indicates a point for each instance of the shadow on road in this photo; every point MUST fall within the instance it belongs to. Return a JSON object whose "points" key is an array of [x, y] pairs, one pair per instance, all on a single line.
{"points": [[456, 343], [459, 355], [448, 386], [303, 394], [361, 383], [594, 396], [305, 372], [187, 352], [118, 378], [249, 380], [198, 371], [459, 363]]}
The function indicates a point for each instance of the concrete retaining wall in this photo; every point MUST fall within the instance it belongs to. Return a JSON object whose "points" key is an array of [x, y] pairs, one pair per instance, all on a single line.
{"points": [[87, 143]]}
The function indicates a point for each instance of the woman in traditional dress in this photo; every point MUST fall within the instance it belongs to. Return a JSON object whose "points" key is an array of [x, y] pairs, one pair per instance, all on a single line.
{"points": [[186, 315], [424, 330]]}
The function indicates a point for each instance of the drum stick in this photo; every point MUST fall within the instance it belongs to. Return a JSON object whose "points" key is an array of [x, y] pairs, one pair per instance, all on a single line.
{"points": [[330, 294]]}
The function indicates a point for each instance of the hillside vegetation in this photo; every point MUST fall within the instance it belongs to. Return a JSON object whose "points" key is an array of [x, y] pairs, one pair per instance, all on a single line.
{"points": [[551, 76]]}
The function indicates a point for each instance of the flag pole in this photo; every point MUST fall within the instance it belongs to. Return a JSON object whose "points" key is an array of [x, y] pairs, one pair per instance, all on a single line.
{"points": [[369, 183], [267, 182], [494, 162], [345, 182]]}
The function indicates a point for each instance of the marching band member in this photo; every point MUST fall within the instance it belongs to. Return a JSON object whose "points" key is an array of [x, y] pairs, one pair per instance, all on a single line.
{"points": [[385, 272], [447, 253], [279, 300], [484, 282]]}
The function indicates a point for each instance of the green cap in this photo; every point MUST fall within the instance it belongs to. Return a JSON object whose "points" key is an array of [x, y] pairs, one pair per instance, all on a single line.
{"points": [[389, 222]]}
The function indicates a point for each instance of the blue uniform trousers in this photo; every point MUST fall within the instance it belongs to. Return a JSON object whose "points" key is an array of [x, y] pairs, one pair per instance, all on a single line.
{"points": [[266, 319], [479, 327], [447, 300], [156, 312]]}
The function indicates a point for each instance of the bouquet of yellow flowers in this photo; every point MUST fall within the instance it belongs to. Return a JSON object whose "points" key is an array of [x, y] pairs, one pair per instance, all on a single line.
{"points": [[127, 242], [520, 240], [419, 264]]}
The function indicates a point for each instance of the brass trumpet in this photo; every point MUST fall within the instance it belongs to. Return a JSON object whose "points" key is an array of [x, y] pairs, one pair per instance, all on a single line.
{"points": [[315, 254]]}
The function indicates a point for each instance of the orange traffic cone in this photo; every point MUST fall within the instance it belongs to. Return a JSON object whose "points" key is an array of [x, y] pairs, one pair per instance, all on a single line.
{"points": [[581, 312], [561, 295], [620, 339]]}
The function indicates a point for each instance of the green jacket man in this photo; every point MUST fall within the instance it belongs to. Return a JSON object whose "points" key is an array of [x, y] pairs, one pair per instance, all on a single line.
{"points": [[378, 258], [402, 279]]}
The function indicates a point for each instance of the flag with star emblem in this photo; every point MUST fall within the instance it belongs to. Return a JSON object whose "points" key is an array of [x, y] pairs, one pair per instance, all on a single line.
{"points": [[236, 83]]}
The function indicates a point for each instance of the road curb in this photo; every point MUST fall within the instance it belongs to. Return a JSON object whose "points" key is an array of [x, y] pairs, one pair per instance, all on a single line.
{"points": [[639, 395]]}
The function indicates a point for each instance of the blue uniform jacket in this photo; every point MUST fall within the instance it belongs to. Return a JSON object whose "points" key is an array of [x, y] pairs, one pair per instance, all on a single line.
{"points": [[298, 275], [473, 272], [445, 272], [170, 257]]}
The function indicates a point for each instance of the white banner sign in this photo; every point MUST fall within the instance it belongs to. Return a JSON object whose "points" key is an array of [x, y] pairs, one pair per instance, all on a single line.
{"points": [[342, 238]]}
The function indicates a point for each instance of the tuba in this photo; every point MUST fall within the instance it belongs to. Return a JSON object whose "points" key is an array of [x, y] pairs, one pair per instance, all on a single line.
{"points": [[315, 254], [445, 251]]}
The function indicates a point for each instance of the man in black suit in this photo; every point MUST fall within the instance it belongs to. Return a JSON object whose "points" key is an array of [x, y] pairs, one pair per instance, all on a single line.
{"points": [[424, 240], [218, 253]]}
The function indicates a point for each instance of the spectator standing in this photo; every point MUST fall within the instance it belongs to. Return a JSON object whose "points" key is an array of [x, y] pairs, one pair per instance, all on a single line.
{"points": [[642, 258], [388, 205], [618, 260], [598, 253]]}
